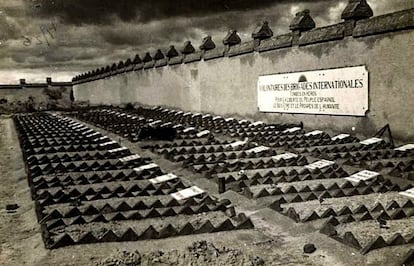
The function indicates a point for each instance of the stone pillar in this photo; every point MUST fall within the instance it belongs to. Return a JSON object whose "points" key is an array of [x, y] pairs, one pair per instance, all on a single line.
{"points": [[301, 23], [354, 11]]}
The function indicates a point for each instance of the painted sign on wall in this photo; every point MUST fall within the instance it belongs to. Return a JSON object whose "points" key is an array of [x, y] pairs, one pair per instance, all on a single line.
{"points": [[340, 91]]}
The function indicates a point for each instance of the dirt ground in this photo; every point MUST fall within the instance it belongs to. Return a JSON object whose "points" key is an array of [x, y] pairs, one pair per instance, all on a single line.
{"points": [[276, 239]]}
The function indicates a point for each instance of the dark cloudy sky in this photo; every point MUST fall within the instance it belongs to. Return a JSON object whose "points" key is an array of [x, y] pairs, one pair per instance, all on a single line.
{"points": [[60, 38]]}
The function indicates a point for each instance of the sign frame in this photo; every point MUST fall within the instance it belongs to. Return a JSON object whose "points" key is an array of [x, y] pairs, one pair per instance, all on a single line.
{"points": [[362, 113]]}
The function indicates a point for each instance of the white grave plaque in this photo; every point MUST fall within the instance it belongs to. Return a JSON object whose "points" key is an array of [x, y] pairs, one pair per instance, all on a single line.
{"points": [[130, 158], [203, 133], [406, 147], [319, 164], [314, 133], [258, 149], [236, 144], [188, 129], [408, 193], [371, 141], [291, 130], [108, 143], [362, 176], [145, 167], [163, 178], [187, 193], [285, 156], [340, 136], [118, 149]]}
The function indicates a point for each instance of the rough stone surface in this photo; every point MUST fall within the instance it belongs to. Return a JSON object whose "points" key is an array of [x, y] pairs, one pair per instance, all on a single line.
{"points": [[149, 64], [212, 54], [386, 23], [138, 66], [239, 49], [334, 32], [302, 21], [188, 58], [161, 62], [276, 42], [175, 60], [357, 9]]}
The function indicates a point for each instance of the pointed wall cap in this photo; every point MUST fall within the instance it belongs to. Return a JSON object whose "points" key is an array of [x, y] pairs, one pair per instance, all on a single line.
{"points": [[147, 57], [207, 44], [172, 52], [159, 55], [232, 38], [302, 21], [357, 9], [188, 48], [137, 59], [262, 32]]}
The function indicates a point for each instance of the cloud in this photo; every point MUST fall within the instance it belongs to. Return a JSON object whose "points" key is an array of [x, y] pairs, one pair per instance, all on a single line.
{"points": [[104, 11]]}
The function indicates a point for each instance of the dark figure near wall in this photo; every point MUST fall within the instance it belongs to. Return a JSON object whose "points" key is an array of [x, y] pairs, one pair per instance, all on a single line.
{"points": [[157, 133]]}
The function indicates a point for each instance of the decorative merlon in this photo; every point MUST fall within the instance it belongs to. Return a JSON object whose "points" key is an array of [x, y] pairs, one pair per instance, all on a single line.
{"points": [[147, 57], [262, 32], [159, 55], [172, 52], [232, 38], [302, 21], [207, 44], [137, 60], [356, 10], [188, 48]]}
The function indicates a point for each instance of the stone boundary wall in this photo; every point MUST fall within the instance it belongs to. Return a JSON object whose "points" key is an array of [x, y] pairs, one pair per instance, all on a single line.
{"points": [[29, 97], [223, 80]]}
